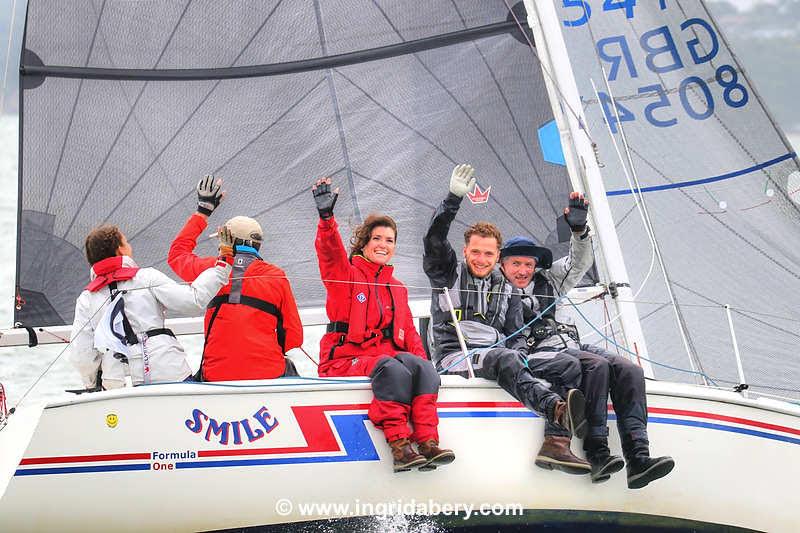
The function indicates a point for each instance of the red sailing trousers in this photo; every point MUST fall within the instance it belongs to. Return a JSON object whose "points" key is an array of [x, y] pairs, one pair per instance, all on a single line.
{"points": [[405, 388]]}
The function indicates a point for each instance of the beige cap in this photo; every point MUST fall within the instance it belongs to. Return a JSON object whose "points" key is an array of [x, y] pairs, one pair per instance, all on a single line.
{"points": [[245, 228]]}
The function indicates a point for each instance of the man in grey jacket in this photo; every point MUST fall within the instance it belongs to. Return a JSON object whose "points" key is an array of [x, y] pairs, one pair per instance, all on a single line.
{"points": [[553, 344], [489, 313]]}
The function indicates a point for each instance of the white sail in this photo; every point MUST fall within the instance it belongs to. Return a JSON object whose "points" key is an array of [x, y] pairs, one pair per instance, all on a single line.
{"points": [[718, 181]]}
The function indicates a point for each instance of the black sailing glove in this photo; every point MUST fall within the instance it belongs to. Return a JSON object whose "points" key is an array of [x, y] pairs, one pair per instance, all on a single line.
{"points": [[324, 198], [576, 213], [209, 195]]}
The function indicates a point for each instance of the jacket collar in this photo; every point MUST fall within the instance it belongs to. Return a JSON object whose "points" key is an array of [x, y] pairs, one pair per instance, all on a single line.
{"points": [[370, 269], [110, 270]]}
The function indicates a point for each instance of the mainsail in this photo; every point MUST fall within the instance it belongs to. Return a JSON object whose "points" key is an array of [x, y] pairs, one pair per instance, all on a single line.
{"points": [[125, 105], [720, 183]]}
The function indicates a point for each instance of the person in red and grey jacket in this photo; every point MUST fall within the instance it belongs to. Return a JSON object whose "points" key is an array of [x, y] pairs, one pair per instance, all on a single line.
{"points": [[372, 333], [253, 321]]}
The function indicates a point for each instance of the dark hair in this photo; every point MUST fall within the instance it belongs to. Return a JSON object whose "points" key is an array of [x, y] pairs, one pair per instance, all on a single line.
{"points": [[484, 229], [363, 232], [102, 243]]}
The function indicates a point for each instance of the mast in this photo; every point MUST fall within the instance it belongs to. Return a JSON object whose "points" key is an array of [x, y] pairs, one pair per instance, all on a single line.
{"points": [[582, 165]]}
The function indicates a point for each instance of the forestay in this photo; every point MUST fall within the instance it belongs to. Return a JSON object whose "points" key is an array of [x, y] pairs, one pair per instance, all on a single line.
{"points": [[127, 104], [719, 180]]}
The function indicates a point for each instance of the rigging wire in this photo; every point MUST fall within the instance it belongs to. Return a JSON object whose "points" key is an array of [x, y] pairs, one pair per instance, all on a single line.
{"points": [[63, 350], [574, 304], [637, 198], [623, 348]]}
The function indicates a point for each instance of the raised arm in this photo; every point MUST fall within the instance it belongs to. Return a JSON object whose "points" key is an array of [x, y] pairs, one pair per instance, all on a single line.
{"points": [[334, 265], [567, 272], [439, 260], [188, 299], [181, 258]]}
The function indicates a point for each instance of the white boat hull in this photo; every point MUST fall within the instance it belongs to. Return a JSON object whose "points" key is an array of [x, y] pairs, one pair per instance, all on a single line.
{"points": [[737, 461]]}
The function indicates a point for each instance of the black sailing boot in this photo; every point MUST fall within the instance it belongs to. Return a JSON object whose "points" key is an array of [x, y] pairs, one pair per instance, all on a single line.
{"points": [[603, 463], [642, 469]]}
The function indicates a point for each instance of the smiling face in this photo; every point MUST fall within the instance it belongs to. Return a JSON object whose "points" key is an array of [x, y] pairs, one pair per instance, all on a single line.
{"points": [[380, 246], [481, 255], [519, 270]]}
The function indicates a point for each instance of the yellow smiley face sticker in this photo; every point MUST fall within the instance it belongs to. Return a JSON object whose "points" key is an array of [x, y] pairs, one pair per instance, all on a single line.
{"points": [[112, 420]]}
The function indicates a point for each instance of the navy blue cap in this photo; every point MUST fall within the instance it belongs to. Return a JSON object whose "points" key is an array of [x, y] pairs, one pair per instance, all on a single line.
{"points": [[526, 247]]}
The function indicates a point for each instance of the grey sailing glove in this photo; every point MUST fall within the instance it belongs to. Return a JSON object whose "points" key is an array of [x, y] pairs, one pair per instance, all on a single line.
{"points": [[461, 180], [577, 212], [324, 198], [209, 195]]}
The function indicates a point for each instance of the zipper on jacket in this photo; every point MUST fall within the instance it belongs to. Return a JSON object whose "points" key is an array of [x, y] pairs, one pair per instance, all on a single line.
{"points": [[378, 297]]}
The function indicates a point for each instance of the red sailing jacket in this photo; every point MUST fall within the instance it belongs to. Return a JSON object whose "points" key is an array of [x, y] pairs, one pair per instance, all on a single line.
{"points": [[243, 341], [365, 296]]}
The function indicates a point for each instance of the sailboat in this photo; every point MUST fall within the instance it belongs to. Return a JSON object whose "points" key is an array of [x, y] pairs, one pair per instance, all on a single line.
{"points": [[642, 105]]}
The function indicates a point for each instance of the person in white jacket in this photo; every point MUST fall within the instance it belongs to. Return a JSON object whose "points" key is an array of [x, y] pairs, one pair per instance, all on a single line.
{"points": [[119, 317]]}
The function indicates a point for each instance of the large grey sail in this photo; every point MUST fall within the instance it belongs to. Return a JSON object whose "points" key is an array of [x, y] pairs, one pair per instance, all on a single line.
{"points": [[720, 184], [106, 144]]}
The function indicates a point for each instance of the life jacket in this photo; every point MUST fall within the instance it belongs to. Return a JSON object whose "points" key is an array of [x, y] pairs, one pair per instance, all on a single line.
{"points": [[465, 300], [479, 329], [241, 263], [543, 332], [111, 270], [356, 332]]}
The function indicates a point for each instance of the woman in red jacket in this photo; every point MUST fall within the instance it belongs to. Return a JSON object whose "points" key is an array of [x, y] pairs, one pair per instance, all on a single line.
{"points": [[371, 333]]}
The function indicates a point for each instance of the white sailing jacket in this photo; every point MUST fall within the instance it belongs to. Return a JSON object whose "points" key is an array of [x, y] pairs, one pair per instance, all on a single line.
{"points": [[148, 296]]}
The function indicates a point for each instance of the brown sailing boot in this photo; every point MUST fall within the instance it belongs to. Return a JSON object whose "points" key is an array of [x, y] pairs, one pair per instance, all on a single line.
{"points": [[405, 458], [556, 455], [436, 456], [571, 414]]}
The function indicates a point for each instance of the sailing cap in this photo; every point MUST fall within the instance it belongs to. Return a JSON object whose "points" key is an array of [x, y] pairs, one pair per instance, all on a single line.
{"points": [[525, 247], [246, 229]]}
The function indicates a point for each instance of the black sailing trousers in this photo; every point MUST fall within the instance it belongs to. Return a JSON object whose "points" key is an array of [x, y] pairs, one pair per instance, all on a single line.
{"points": [[605, 373]]}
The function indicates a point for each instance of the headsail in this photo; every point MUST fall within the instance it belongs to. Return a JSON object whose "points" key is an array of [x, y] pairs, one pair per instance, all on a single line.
{"points": [[384, 96], [720, 183]]}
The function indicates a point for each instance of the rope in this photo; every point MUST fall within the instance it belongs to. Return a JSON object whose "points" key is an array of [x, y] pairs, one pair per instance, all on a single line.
{"points": [[623, 348], [472, 352]]}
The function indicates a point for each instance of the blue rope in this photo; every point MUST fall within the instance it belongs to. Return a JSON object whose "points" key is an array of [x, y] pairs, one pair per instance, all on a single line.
{"points": [[634, 353], [472, 352]]}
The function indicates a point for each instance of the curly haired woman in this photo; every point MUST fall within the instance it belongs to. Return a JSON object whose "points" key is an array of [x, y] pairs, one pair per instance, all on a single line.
{"points": [[371, 333]]}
